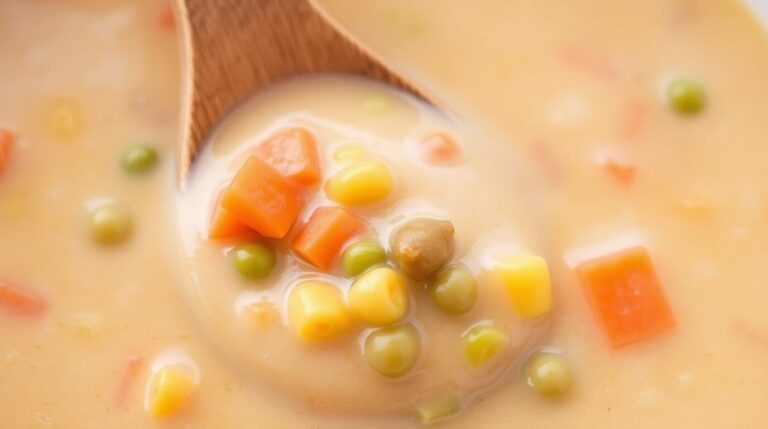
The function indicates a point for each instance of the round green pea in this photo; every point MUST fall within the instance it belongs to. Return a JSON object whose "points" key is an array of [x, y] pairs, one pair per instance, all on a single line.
{"points": [[548, 375], [393, 351], [454, 290], [482, 343], [686, 96], [254, 260], [360, 256], [139, 159], [110, 223]]}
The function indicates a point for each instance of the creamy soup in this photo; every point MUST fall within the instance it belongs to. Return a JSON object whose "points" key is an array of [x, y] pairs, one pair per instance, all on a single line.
{"points": [[595, 201], [354, 124]]}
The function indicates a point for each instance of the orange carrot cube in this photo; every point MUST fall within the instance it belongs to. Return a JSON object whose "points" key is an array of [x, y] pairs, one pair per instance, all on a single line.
{"points": [[262, 199], [293, 152], [324, 235], [626, 296]]}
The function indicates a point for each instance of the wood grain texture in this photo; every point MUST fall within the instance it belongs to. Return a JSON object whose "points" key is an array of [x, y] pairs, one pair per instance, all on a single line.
{"points": [[234, 47]]}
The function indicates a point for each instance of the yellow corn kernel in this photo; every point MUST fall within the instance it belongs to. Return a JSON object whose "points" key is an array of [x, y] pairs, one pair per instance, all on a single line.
{"points": [[66, 119], [317, 312], [379, 297], [348, 153], [361, 183], [377, 103], [526, 280], [170, 389], [438, 407]]}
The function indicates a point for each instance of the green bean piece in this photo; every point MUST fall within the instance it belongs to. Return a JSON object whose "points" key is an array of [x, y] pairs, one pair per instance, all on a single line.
{"points": [[360, 256], [548, 375], [254, 260], [393, 351], [454, 290], [139, 159], [110, 223]]}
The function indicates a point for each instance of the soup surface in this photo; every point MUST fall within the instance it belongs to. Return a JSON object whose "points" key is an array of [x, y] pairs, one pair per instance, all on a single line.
{"points": [[597, 129]]}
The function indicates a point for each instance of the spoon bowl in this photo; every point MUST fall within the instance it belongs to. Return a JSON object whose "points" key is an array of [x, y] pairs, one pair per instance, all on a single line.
{"points": [[234, 47]]}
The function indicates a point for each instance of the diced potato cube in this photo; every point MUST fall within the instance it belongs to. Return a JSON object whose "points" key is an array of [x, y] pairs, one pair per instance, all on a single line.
{"points": [[526, 280], [170, 389]]}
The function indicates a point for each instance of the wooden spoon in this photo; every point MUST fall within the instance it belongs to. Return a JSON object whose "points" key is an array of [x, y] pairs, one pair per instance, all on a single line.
{"points": [[233, 47]]}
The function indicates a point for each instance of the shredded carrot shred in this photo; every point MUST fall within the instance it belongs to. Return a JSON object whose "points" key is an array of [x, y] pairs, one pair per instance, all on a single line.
{"points": [[620, 169], [128, 379], [18, 301], [7, 140]]}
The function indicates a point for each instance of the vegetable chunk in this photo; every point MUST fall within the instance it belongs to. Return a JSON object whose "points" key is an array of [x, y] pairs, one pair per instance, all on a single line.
{"points": [[422, 246], [18, 301], [440, 149], [626, 296], [293, 152], [225, 225], [170, 389], [379, 297], [393, 351], [263, 199], [7, 139], [359, 184], [317, 312], [321, 239], [526, 280]]}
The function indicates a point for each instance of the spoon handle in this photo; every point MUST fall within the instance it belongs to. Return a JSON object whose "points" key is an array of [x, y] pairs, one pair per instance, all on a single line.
{"points": [[233, 47]]}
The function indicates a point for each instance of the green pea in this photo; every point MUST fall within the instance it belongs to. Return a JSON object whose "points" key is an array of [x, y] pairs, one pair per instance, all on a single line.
{"points": [[139, 159], [393, 351], [686, 96], [438, 407], [482, 343], [548, 375], [454, 290], [110, 223], [360, 256], [254, 260]]}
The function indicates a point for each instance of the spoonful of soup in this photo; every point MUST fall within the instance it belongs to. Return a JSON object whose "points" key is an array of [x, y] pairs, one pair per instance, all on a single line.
{"points": [[348, 244], [234, 47]]}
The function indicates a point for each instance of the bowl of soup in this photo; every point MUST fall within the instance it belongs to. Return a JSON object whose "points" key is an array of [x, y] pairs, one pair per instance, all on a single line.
{"points": [[573, 238]]}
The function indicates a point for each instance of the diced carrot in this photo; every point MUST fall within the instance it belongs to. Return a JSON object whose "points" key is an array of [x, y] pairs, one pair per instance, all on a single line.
{"points": [[128, 379], [621, 169], [626, 296], [224, 225], [326, 232], [16, 300], [7, 139], [263, 199], [636, 117], [165, 18], [440, 149], [293, 152]]}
